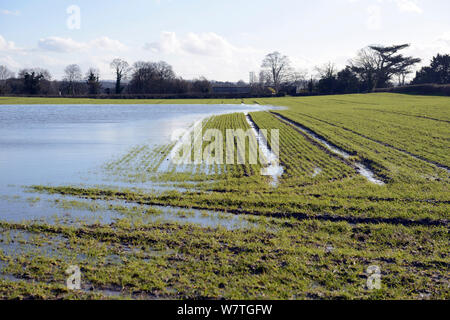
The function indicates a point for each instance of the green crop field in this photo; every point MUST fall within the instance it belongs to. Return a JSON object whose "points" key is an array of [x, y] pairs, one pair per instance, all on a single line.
{"points": [[312, 236]]}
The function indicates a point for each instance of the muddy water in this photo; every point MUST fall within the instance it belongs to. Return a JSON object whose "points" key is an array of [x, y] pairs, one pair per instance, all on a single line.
{"points": [[68, 144]]}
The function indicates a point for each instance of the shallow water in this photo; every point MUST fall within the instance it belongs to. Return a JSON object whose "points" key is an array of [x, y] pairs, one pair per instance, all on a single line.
{"points": [[272, 167], [360, 168], [68, 144], [316, 172]]}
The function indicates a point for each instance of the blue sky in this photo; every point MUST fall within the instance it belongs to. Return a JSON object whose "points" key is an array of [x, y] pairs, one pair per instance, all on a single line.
{"points": [[222, 40]]}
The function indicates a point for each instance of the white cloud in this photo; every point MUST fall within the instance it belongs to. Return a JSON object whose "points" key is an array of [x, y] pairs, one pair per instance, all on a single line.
{"points": [[375, 14], [209, 54], [444, 39], [374, 19], [408, 6], [106, 43], [7, 45], [168, 43], [9, 12], [205, 44], [374, 10], [10, 62], [60, 44], [429, 49], [68, 45]]}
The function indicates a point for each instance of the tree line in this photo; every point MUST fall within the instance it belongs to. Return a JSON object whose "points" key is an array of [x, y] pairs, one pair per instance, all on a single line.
{"points": [[374, 67], [141, 77]]}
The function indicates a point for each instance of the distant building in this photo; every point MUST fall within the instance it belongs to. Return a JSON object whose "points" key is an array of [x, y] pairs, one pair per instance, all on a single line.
{"points": [[253, 78], [231, 90]]}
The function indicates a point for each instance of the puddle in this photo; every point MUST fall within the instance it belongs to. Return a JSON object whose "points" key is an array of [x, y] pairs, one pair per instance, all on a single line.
{"points": [[170, 214], [13, 243], [17, 243], [70, 210], [11, 278], [273, 167], [316, 172], [85, 288], [30, 205], [368, 174], [360, 168], [203, 218]]}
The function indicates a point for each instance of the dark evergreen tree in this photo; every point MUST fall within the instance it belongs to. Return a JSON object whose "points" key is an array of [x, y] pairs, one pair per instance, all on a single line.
{"points": [[438, 72]]}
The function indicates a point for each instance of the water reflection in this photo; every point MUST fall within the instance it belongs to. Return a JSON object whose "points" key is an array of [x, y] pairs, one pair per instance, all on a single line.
{"points": [[64, 144]]}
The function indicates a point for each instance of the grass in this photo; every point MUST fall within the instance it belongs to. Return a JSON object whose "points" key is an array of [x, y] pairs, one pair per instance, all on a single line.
{"points": [[383, 127], [301, 156], [312, 237], [305, 259]]}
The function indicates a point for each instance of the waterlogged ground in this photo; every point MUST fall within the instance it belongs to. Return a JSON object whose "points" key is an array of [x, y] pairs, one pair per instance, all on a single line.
{"points": [[361, 186], [72, 144]]}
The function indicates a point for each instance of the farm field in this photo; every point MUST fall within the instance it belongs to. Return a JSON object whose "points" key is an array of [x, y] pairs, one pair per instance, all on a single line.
{"points": [[365, 184]]}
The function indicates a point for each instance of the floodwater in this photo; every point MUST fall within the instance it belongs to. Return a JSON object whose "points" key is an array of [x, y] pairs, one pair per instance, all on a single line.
{"points": [[273, 167], [65, 144], [360, 168]]}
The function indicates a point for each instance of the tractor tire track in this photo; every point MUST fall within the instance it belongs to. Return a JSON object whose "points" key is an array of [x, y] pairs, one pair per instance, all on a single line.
{"points": [[439, 165]]}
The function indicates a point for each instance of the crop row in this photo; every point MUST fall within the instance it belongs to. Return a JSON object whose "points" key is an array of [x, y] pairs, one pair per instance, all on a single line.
{"points": [[424, 132], [302, 159], [386, 161]]}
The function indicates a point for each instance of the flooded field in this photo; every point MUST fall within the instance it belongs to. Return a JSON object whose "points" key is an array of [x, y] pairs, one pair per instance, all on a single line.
{"points": [[70, 144], [94, 189]]}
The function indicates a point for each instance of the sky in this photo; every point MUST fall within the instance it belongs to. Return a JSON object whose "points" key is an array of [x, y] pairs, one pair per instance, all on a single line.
{"points": [[217, 39]]}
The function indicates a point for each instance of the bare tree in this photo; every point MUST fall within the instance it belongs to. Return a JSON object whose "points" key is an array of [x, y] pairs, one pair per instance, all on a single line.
{"points": [[164, 70], [298, 75], [327, 70], [279, 68], [327, 82], [298, 79], [121, 69], [258, 82], [5, 73], [264, 78], [365, 65], [73, 75], [201, 85], [151, 77]]}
